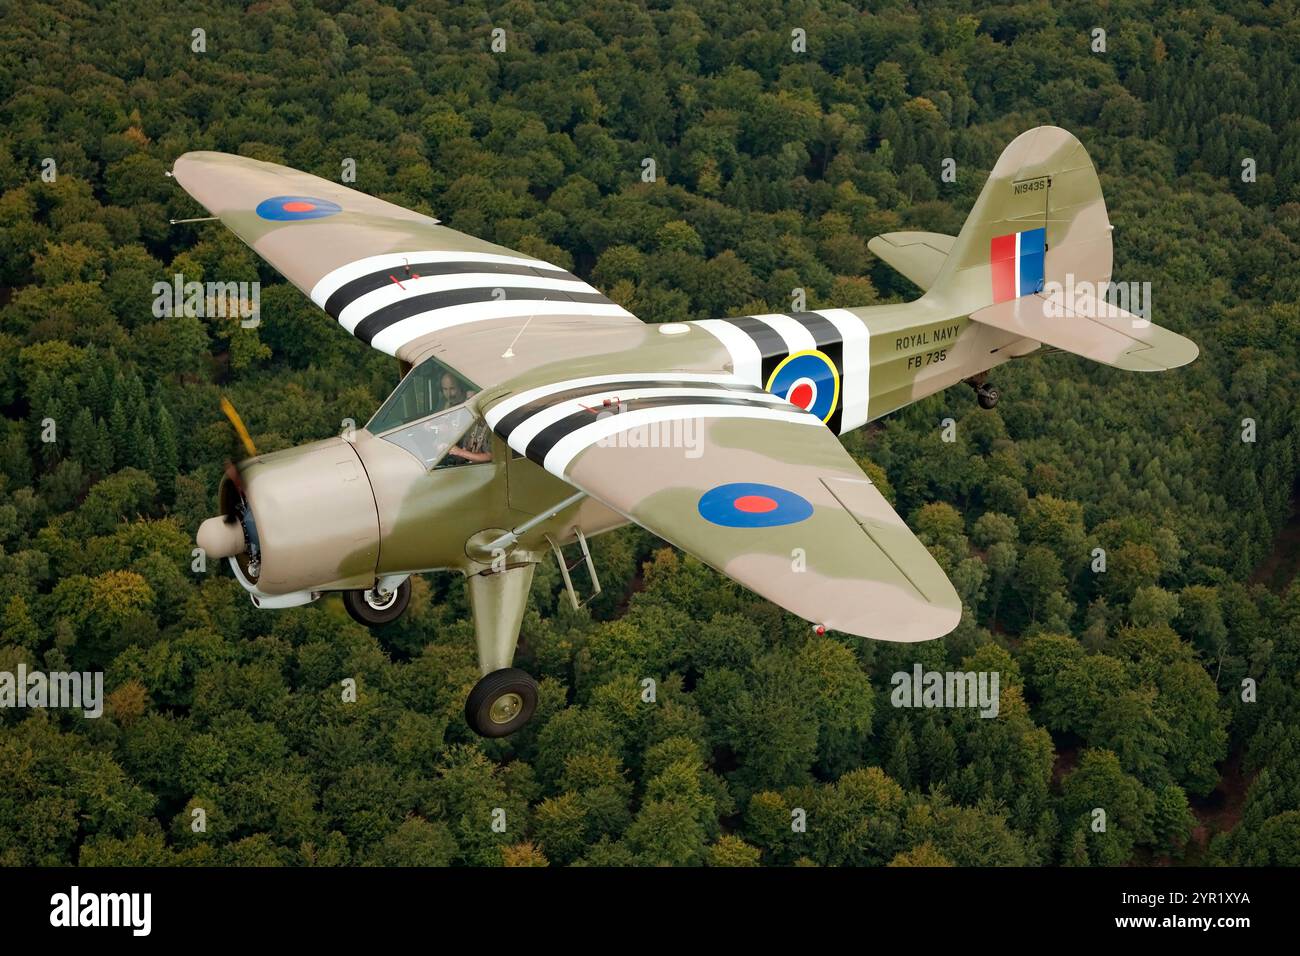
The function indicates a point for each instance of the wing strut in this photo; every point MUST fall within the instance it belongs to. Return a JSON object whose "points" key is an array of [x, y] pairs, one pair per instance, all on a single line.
{"points": [[511, 538]]}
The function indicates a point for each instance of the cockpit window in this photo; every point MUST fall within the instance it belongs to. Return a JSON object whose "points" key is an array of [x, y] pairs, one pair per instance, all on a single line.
{"points": [[428, 388], [431, 439]]}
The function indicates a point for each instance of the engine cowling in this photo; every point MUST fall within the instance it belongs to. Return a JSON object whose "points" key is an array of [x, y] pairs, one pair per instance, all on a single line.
{"points": [[303, 519]]}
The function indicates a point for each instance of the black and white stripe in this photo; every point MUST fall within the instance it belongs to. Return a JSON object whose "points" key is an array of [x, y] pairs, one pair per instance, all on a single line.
{"points": [[390, 300], [757, 344], [354, 289], [551, 424]]}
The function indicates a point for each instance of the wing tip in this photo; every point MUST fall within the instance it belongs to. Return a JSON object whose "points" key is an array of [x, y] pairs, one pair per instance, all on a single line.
{"points": [[1167, 350], [196, 156], [929, 622]]}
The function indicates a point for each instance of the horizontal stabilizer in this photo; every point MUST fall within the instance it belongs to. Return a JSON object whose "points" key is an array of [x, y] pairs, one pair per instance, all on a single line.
{"points": [[1092, 328], [917, 255]]}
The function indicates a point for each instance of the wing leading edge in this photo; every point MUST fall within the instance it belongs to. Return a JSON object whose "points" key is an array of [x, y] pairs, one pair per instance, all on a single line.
{"points": [[917, 255]]}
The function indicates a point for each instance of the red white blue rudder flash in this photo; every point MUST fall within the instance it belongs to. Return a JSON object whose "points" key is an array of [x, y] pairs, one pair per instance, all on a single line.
{"points": [[1017, 262]]}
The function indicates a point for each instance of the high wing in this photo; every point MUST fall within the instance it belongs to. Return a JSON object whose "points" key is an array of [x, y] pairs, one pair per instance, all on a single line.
{"points": [[755, 487], [399, 280]]}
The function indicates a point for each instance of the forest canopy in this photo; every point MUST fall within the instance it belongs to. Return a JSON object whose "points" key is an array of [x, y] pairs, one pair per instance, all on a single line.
{"points": [[1165, 689]]}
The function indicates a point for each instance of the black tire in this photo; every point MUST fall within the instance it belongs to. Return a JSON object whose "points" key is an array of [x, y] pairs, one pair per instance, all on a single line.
{"points": [[988, 396], [514, 693], [363, 612]]}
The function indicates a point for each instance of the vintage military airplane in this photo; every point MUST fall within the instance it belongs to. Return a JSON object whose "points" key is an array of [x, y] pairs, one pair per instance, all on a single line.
{"points": [[534, 412]]}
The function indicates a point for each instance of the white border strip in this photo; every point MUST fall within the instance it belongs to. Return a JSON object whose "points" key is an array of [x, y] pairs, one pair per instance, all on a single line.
{"points": [[855, 387], [1018, 235]]}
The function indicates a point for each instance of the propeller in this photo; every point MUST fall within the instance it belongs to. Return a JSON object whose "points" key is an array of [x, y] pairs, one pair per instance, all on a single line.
{"points": [[238, 424], [246, 439], [233, 474]]}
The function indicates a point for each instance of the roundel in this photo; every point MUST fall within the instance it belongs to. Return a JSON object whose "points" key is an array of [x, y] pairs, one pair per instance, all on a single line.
{"points": [[291, 208], [748, 504], [808, 380]]}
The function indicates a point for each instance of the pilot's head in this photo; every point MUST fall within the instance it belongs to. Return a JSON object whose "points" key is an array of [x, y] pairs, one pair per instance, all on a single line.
{"points": [[451, 392]]}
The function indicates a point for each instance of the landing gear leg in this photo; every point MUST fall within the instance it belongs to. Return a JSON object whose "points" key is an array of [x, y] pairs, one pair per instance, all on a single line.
{"points": [[506, 697], [986, 393]]}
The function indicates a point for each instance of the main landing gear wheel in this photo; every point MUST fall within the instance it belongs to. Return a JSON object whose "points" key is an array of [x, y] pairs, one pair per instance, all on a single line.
{"points": [[501, 703], [987, 395], [372, 609]]}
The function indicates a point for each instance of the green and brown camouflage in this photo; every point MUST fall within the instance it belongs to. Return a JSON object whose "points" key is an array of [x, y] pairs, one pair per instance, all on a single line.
{"points": [[580, 395]]}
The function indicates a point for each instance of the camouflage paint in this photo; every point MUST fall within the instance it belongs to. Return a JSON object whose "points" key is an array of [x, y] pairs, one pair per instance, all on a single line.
{"points": [[852, 565]]}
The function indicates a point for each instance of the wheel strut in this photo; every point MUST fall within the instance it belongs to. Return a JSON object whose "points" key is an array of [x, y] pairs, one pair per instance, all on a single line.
{"points": [[505, 697]]}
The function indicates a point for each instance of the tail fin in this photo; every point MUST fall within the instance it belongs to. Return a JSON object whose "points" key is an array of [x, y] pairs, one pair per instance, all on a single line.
{"points": [[1034, 258], [1042, 200]]}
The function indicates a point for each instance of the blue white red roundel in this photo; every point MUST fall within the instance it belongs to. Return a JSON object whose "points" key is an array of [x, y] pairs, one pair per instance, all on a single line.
{"points": [[809, 381], [291, 208], [748, 504]]}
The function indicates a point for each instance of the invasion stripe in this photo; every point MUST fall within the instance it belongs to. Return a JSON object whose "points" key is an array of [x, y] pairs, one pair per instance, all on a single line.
{"points": [[855, 383], [538, 448], [746, 358], [771, 345], [795, 337], [372, 302], [377, 321], [329, 283], [399, 335], [511, 420], [559, 459], [823, 330], [592, 406], [354, 289], [768, 339], [510, 403]]}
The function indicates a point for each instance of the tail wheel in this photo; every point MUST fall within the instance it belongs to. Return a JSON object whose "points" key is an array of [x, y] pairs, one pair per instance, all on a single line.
{"points": [[988, 395], [373, 609], [501, 703]]}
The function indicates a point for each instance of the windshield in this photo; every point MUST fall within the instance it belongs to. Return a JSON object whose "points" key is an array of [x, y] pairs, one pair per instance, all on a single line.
{"points": [[430, 439], [428, 388]]}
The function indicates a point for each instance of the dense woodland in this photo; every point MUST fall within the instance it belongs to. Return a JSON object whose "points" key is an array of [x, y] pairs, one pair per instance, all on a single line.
{"points": [[1120, 690]]}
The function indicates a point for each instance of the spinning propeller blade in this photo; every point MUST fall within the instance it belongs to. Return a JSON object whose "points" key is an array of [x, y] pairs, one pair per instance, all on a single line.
{"points": [[238, 424]]}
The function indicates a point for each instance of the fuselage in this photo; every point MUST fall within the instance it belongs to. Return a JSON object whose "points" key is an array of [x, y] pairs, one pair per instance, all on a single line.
{"points": [[341, 513]]}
